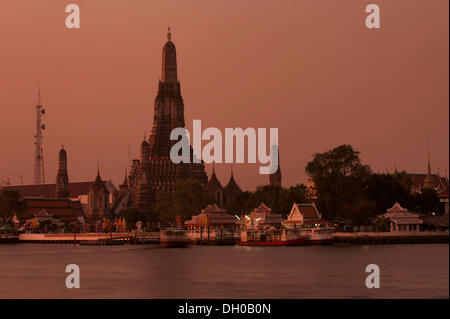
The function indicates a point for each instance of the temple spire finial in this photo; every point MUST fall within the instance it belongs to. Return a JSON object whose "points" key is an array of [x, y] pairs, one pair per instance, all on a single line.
{"points": [[39, 94], [428, 182], [169, 34]]}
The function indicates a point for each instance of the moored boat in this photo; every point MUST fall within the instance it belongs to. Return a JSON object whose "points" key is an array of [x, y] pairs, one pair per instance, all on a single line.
{"points": [[281, 237], [174, 238], [318, 235]]}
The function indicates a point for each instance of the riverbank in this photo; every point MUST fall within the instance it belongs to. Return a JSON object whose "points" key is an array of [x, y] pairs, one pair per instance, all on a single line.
{"points": [[95, 239], [376, 238], [9, 239], [104, 239]]}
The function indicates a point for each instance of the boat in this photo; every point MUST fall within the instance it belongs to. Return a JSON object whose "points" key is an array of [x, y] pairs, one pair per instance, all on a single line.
{"points": [[280, 237], [174, 238], [318, 235]]}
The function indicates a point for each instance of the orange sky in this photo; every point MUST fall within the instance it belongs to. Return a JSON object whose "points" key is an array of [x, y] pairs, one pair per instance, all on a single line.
{"points": [[308, 67]]}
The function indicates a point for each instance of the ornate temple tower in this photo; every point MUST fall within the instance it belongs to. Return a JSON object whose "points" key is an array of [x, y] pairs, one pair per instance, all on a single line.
{"points": [[155, 171], [428, 182], [275, 178], [169, 106], [62, 178], [231, 191], [214, 190], [98, 200]]}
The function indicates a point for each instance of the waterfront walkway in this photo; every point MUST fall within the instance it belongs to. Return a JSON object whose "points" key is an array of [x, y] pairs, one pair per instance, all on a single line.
{"points": [[96, 239], [367, 238], [8, 239], [102, 239]]}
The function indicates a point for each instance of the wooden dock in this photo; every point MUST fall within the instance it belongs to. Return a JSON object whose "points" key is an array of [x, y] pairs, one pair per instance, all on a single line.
{"points": [[216, 242], [9, 239], [92, 239], [377, 238]]}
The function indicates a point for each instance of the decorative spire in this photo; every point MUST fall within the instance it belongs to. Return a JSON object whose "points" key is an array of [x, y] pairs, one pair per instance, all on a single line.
{"points": [[62, 177], [232, 185], [39, 94], [275, 178], [125, 180], [169, 34], [428, 182], [169, 61]]}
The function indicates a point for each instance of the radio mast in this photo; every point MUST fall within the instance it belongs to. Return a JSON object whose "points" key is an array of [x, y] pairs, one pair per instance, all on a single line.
{"points": [[39, 176]]}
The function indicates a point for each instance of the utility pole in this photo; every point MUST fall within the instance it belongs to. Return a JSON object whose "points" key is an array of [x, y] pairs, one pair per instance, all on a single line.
{"points": [[39, 176]]}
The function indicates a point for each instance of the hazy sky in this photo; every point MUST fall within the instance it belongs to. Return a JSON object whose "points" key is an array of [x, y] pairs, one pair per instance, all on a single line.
{"points": [[310, 68]]}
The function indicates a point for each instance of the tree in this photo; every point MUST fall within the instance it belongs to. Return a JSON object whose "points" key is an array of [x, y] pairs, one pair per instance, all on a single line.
{"points": [[382, 224], [279, 199], [426, 202], [340, 180], [289, 196], [10, 204], [133, 215], [363, 212], [187, 199], [386, 189]]}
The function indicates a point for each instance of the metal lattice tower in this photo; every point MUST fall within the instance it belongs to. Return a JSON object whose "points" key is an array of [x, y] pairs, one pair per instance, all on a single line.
{"points": [[39, 176]]}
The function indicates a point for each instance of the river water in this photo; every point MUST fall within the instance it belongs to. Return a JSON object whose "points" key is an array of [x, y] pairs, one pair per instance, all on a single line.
{"points": [[406, 271]]}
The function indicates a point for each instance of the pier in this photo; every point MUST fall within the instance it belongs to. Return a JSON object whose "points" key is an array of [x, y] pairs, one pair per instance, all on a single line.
{"points": [[375, 238], [9, 239], [105, 239], [216, 242], [92, 239]]}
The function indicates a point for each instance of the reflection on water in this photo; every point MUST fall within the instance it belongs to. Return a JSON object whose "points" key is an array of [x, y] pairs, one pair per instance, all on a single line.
{"points": [[407, 271]]}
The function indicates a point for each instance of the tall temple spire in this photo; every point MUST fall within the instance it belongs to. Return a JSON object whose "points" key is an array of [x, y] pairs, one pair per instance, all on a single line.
{"points": [[428, 182], [145, 152], [169, 61], [39, 94], [125, 180], [62, 177], [275, 178], [155, 172]]}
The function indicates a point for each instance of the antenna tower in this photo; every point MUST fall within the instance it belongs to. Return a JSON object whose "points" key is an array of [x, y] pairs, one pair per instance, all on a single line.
{"points": [[39, 176]]}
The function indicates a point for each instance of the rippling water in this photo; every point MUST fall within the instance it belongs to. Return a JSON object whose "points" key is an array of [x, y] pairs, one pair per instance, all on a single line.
{"points": [[407, 271]]}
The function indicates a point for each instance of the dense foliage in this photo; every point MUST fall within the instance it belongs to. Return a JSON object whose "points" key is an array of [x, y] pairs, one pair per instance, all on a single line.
{"points": [[10, 204], [348, 189]]}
